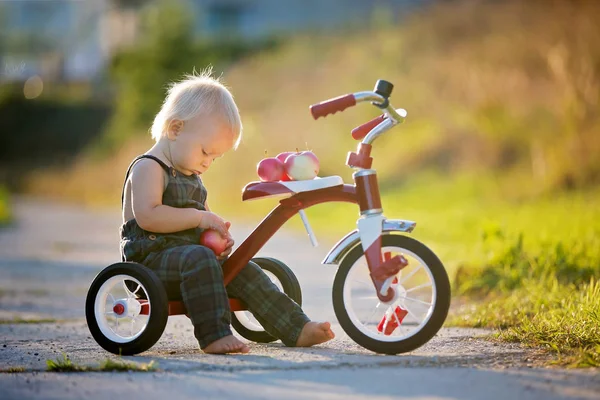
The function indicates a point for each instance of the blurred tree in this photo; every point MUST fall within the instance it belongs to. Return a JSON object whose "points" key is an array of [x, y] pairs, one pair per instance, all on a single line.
{"points": [[129, 3], [168, 50], [141, 72]]}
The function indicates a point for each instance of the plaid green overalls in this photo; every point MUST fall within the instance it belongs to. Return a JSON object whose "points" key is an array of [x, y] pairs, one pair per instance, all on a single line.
{"points": [[192, 273]]}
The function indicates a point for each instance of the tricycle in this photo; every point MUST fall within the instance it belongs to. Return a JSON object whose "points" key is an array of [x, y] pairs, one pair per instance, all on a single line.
{"points": [[391, 293]]}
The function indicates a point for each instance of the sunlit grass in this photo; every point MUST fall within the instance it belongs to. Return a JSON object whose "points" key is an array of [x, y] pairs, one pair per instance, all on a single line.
{"points": [[5, 213], [564, 319], [12, 370], [64, 364], [545, 295], [27, 321]]}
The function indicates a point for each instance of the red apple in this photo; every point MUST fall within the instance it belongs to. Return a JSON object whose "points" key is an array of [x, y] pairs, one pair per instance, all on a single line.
{"points": [[213, 240], [302, 166], [281, 157], [270, 169]]}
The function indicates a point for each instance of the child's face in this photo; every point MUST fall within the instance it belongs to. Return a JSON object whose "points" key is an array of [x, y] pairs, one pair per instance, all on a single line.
{"points": [[199, 142]]}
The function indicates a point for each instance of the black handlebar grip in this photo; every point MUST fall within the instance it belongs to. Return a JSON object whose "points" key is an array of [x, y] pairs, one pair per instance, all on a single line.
{"points": [[384, 88]]}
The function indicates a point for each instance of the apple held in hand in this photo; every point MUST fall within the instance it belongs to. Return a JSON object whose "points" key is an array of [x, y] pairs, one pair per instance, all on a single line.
{"points": [[302, 166], [270, 169], [213, 240], [281, 157]]}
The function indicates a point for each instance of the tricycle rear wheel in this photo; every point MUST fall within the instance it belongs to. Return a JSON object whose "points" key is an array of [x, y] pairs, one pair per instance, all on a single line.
{"points": [[126, 308], [243, 321]]}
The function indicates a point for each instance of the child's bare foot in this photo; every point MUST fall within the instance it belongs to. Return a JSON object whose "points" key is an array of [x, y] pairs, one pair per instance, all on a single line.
{"points": [[227, 344], [315, 333]]}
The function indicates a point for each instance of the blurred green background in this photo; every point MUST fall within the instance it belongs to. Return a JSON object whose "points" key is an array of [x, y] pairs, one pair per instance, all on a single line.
{"points": [[498, 162]]}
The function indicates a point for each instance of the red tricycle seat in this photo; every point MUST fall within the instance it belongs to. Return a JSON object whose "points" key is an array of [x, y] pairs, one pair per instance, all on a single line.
{"points": [[256, 190]]}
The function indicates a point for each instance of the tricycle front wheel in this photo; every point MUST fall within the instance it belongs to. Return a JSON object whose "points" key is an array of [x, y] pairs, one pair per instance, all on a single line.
{"points": [[410, 320]]}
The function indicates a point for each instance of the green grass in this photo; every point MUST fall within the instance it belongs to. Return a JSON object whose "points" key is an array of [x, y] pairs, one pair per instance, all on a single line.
{"points": [[564, 319], [5, 213], [64, 364], [27, 321], [12, 370], [121, 366], [544, 296]]}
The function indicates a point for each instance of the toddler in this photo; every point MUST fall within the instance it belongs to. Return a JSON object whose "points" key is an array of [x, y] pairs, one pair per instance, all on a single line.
{"points": [[165, 210]]}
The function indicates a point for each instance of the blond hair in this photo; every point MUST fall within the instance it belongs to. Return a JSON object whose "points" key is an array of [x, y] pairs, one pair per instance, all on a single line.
{"points": [[197, 94]]}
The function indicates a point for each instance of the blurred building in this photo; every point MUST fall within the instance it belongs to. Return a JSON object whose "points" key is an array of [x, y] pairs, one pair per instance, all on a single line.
{"points": [[67, 40], [258, 18], [62, 39]]}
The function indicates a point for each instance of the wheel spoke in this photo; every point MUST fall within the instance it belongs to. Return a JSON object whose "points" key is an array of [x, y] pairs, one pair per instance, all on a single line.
{"points": [[412, 314], [112, 298], [407, 277], [130, 294], [372, 314], [419, 287], [397, 320], [415, 300]]}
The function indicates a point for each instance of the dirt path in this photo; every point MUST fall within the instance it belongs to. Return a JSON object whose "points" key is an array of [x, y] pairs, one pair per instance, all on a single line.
{"points": [[50, 255]]}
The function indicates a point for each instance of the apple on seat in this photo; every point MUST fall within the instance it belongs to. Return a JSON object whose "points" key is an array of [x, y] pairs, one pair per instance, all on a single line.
{"points": [[302, 165], [270, 169], [281, 157], [289, 166]]}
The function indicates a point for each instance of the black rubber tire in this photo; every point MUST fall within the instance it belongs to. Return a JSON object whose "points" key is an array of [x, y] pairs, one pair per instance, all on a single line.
{"points": [[440, 310], [158, 304], [290, 286]]}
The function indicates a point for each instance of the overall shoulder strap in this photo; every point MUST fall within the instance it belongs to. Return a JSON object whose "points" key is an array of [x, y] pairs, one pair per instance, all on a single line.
{"points": [[162, 164]]}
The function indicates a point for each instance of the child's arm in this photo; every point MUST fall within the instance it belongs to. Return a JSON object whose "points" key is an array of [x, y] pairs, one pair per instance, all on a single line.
{"points": [[147, 186]]}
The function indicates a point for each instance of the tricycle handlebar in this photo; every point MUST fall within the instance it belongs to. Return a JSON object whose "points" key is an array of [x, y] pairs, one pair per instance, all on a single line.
{"points": [[340, 103], [361, 131], [332, 106], [379, 98]]}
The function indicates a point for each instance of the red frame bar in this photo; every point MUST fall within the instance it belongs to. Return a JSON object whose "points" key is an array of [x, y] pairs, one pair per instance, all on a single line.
{"points": [[286, 209]]}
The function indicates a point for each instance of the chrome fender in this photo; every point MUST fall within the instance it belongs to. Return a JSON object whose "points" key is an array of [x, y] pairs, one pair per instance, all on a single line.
{"points": [[352, 239]]}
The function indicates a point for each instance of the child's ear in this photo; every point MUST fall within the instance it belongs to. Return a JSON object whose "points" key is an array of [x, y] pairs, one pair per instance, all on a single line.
{"points": [[174, 128]]}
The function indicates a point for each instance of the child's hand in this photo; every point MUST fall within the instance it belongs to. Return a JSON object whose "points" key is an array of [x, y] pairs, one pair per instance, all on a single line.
{"points": [[211, 220], [227, 251], [230, 243]]}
